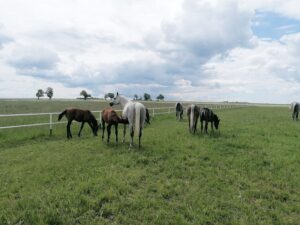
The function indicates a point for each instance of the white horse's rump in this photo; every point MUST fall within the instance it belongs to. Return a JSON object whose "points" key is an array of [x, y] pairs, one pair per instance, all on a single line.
{"points": [[135, 112], [193, 113], [192, 116]]}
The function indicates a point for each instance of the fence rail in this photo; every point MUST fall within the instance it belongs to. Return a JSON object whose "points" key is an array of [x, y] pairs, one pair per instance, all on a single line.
{"points": [[152, 111]]}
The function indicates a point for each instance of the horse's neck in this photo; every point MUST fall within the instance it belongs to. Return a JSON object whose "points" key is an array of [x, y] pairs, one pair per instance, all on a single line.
{"points": [[123, 102]]}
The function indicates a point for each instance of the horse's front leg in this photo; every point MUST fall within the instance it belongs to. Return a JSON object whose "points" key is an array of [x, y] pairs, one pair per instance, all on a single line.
{"points": [[116, 132], [195, 129], [79, 133], [124, 133], [206, 125]]}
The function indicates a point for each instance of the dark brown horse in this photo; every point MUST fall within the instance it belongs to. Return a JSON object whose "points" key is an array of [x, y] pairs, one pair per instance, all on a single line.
{"points": [[110, 117], [207, 115], [83, 116], [193, 113]]}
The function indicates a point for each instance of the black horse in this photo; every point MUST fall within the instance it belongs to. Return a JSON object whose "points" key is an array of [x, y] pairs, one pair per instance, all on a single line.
{"points": [[83, 116], [147, 119], [179, 111], [207, 115], [295, 106]]}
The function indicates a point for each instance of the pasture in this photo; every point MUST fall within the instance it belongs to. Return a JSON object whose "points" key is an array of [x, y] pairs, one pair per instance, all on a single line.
{"points": [[249, 174]]}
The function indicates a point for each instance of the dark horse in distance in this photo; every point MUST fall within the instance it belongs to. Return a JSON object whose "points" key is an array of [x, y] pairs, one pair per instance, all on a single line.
{"points": [[179, 111], [83, 116], [207, 115], [110, 117], [295, 110]]}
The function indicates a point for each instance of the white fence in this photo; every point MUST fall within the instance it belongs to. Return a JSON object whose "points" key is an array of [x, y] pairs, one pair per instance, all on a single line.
{"points": [[152, 111]]}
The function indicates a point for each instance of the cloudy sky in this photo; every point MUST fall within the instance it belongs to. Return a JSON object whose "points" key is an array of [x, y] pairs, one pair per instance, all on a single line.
{"points": [[206, 50]]}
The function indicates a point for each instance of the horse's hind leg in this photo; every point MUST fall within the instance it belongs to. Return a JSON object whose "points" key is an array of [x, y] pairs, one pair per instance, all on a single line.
{"points": [[108, 132], [131, 134], [124, 133], [79, 133], [201, 126], [140, 136], [103, 129], [69, 135]]}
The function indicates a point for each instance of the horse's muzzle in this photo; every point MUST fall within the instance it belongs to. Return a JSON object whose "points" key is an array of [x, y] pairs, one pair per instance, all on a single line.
{"points": [[111, 103]]}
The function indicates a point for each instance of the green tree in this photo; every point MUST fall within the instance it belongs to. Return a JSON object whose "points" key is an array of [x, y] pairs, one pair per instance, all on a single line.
{"points": [[84, 94], [49, 92], [135, 97], [160, 97], [40, 93], [147, 97]]}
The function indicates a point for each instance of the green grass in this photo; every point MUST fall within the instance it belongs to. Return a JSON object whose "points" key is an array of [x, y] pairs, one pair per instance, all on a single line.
{"points": [[249, 174]]}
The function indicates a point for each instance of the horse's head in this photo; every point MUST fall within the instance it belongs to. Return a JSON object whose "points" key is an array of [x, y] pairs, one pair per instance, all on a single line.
{"points": [[116, 100], [95, 126], [216, 121]]}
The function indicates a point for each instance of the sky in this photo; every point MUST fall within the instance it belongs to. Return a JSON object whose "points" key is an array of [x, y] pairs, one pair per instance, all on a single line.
{"points": [[203, 50]]}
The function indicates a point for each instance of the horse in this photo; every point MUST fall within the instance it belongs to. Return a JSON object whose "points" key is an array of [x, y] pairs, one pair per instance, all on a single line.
{"points": [[135, 113], [295, 110], [207, 115], [147, 119], [193, 112], [110, 117], [179, 111], [83, 116]]}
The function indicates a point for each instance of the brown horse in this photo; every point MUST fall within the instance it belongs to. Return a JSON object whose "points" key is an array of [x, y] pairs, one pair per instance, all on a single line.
{"points": [[193, 113], [83, 116], [110, 117]]}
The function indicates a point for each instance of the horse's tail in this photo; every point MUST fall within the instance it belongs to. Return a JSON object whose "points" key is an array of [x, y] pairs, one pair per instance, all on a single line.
{"points": [[61, 115], [139, 117], [192, 116]]}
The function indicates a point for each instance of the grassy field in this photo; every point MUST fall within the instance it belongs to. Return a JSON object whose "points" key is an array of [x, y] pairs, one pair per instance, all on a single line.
{"points": [[249, 174]]}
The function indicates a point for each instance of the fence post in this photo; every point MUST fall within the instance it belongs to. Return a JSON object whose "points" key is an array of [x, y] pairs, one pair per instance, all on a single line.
{"points": [[169, 110], [50, 128], [153, 113]]}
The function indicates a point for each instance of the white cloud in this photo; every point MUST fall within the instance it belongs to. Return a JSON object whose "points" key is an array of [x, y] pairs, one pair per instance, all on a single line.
{"points": [[187, 49]]}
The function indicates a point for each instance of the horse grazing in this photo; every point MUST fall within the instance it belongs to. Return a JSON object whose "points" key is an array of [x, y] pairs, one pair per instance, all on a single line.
{"points": [[179, 111], [83, 116], [147, 119], [295, 110], [135, 113], [110, 117], [193, 113], [207, 115]]}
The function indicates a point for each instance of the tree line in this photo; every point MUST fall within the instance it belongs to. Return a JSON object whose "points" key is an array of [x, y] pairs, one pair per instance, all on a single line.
{"points": [[49, 93]]}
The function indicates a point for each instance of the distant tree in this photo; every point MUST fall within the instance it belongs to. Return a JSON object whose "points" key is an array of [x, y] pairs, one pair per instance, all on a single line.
{"points": [[40, 93], [49, 92], [135, 97], [111, 95], [160, 97], [147, 97], [84, 94]]}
